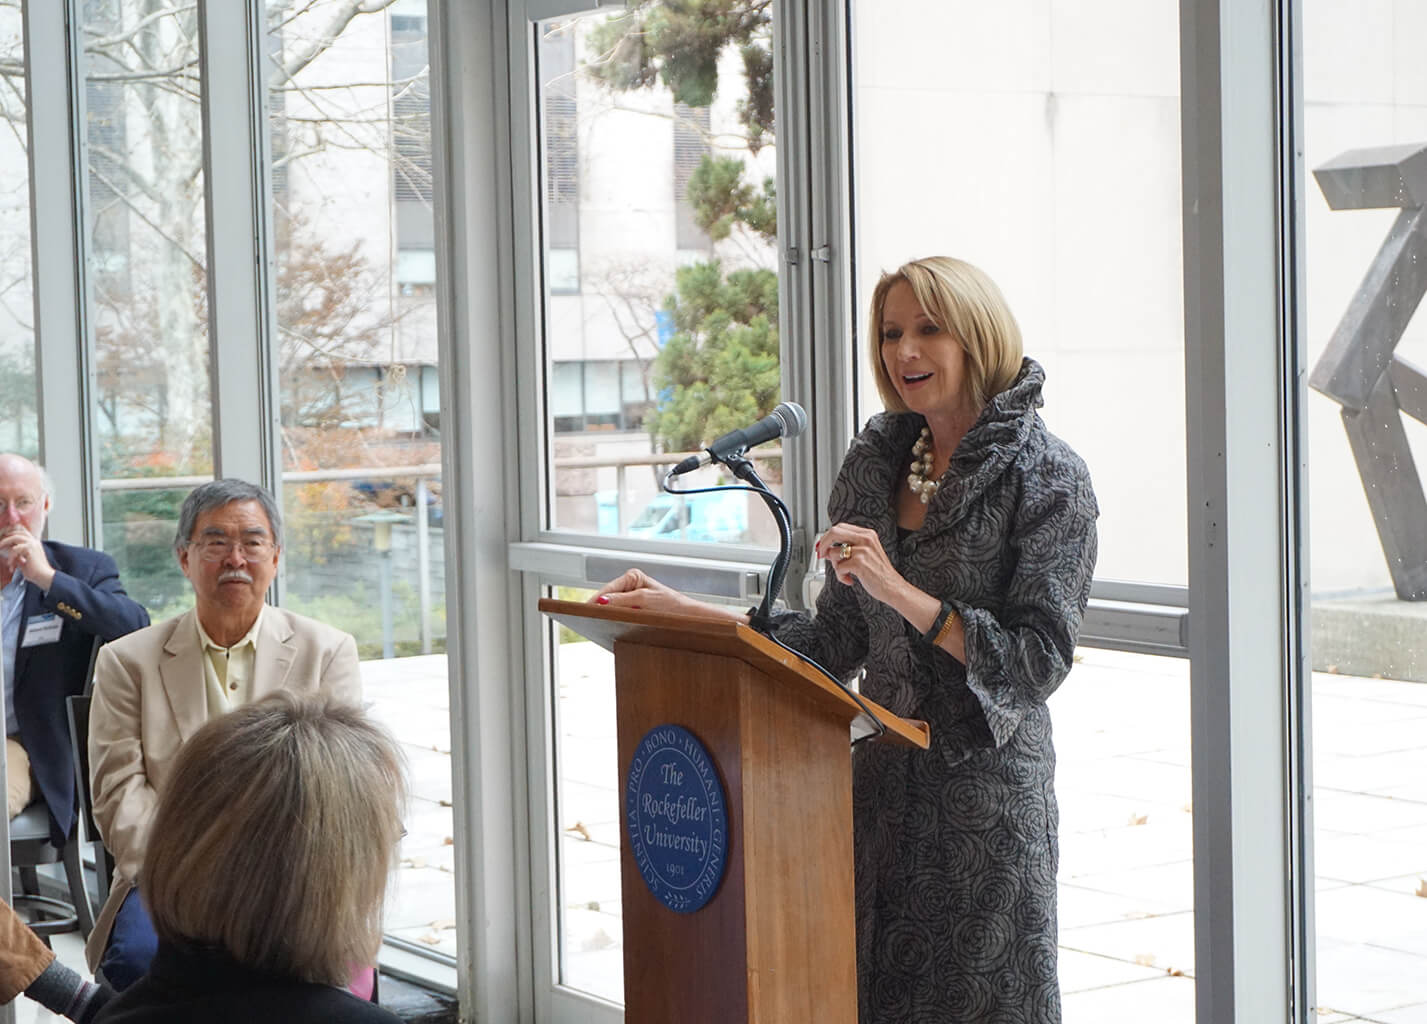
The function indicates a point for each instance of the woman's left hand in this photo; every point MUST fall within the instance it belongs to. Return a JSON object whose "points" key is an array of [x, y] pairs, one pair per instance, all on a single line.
{"points": [[856, 555]]}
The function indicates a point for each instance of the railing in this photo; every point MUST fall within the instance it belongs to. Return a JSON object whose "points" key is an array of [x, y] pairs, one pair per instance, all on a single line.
{"points": [[422, 473], [621, 463]]}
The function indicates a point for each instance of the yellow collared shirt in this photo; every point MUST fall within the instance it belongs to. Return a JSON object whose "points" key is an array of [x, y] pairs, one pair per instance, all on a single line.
{"points": [[228, 671]]}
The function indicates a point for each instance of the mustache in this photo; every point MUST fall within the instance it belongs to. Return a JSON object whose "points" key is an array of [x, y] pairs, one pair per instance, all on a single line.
{"points": [[235, 575]]}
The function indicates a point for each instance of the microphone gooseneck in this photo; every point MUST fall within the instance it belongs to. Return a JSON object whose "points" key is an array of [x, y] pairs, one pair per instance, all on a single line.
{"points": [[786, 420]]}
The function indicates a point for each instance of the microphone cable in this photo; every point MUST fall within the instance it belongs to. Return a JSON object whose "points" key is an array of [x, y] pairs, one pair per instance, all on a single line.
{"points": [[879, 728]]}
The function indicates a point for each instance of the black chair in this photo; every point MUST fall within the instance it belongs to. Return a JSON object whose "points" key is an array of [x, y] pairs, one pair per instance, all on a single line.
{"points": [[85, 830], [30, 847]]}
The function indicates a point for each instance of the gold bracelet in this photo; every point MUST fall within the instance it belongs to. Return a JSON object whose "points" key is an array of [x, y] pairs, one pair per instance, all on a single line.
{"points": [[945, 630]]}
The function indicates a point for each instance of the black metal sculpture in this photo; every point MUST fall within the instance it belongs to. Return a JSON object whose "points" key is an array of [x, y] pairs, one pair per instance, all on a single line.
{"points": [[1360, 369]]}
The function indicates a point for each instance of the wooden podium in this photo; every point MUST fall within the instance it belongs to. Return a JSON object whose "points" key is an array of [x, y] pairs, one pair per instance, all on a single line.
{"points": [[776, 942]]}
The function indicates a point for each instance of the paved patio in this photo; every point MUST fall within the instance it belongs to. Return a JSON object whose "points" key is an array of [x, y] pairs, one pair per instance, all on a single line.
{"points": [[1126, 873], [1126, 884]]}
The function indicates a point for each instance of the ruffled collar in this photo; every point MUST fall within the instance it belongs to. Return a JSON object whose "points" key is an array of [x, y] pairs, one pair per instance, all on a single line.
{"points": [[987, 449]]}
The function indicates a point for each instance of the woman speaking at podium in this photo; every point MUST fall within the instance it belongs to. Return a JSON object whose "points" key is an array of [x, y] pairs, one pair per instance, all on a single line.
{"points": [[959, 568]]}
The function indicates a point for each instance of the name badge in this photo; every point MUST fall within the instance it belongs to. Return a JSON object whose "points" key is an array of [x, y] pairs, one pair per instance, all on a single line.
{"points": [[42, 629]]}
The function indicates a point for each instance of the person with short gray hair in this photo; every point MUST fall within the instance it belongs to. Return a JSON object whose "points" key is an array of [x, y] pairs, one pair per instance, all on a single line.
{"points": [[285, 911], [153, 692], [56, 601], [217, 493]]}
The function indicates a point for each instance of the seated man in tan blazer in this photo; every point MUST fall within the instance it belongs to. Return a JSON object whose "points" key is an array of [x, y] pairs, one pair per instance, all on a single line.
{"points": [[156, 687]]}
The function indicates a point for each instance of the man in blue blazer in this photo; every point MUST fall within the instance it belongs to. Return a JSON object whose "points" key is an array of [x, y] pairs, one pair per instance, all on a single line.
{"points": [[55, 600]]}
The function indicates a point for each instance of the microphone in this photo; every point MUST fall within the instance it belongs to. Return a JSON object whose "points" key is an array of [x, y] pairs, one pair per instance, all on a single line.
{"points": [[787, 420]]}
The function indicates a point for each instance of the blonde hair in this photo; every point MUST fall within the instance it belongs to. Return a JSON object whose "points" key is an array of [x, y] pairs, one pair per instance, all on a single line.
{"points": [[275, 836], [963, 300]]}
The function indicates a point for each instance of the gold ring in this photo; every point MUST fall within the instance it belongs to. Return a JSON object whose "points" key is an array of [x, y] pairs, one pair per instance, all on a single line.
{"points": [[844, 551]]}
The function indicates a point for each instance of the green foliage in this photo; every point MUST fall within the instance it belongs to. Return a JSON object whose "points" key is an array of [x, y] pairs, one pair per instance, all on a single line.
{"points": [[755, 112], [19, 423], [358, 611], [138, 531], [565, 633], [721, 198], [678, 42], [719, 371]]}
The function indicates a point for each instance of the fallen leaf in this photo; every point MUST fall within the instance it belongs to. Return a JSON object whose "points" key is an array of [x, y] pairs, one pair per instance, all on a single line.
{"points": [[579, 829], [1332, 668], [448, 841], [1139, 819], [444, 803], [443, 925], [1144, 959], [431, 939], [1422, 888], [599, 940]]}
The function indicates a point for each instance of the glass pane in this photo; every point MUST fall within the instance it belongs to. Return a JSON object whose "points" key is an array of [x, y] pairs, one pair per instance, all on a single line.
{"points": [[148, 272], [1126, 828], [1365, 147], [1047, 154], [1053, 164], [361, 441], [660, 285], [1126, 893], [19, 425], [587, 818]]}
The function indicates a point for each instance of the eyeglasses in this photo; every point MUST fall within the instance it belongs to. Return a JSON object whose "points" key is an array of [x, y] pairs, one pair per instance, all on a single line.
{"points": [[215, 549], [24, 506]]}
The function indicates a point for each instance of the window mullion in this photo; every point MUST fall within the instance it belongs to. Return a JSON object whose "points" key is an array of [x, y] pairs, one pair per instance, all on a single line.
{"points": [[1244, 548], [238, 201], [64, 343]]}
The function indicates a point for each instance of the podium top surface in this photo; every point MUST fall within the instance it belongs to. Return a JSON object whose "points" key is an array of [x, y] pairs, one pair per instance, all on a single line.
{"points": [[714, 635]]}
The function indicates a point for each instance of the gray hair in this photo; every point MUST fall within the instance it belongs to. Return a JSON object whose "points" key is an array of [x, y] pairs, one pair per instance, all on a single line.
{"points": [[275, 835], [47, 487], [46, 484], [216, 494]]}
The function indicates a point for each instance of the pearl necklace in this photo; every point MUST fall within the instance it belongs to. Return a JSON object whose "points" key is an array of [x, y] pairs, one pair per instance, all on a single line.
{"points": [[922, 467]]}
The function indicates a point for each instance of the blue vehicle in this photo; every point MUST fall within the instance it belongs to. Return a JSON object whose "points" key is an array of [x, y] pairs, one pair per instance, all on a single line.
{"points": [[719, 517]]}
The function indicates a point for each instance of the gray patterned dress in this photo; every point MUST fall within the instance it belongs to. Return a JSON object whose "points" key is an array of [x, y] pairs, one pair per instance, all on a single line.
{"points": [[956, 847]]}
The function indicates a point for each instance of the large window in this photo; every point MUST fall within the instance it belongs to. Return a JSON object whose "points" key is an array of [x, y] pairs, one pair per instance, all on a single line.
{"points": [[1365, 196], [657, 298], [19, 424], [659, 280], [350, 134], [350, 306], [1047, 153], [148, 275]]}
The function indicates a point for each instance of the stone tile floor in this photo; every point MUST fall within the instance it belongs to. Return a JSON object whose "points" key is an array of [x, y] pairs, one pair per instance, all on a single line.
{"points": [[1126, 873], [1126, 884], [412, 696]]}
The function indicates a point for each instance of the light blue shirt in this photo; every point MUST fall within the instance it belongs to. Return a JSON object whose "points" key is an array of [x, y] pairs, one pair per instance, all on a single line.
{"points": [[12, 603]]}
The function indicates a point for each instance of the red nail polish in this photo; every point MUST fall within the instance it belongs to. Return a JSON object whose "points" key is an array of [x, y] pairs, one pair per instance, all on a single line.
{"points": [[602, 599]]}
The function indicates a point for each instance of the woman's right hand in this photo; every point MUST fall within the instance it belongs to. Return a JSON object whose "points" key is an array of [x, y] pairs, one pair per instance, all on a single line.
{"points": [[637, 589]]}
